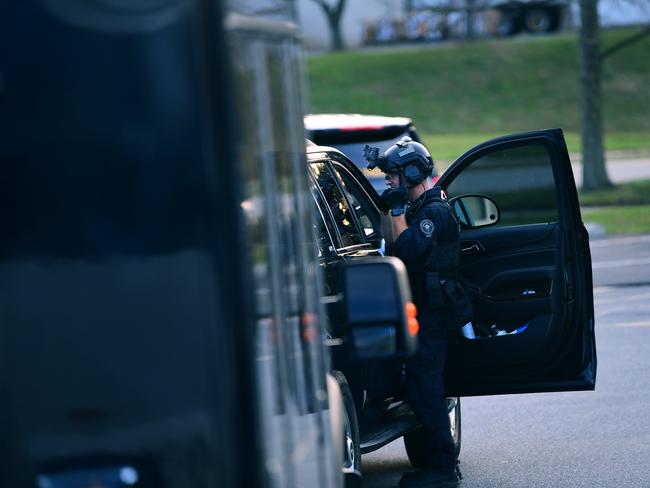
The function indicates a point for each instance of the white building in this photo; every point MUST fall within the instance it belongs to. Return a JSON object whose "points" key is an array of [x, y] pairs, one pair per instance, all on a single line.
{"points": [[357, 13]]}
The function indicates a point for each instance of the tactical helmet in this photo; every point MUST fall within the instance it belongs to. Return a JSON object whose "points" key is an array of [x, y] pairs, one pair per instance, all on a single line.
{"points": [[407, 157]]}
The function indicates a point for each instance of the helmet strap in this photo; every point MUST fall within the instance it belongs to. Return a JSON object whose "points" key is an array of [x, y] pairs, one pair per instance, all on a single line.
{"points": [[402, 183]]}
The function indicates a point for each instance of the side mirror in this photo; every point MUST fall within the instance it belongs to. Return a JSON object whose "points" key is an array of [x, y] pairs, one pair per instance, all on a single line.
{"points": [[377, 310], [475, 211]]}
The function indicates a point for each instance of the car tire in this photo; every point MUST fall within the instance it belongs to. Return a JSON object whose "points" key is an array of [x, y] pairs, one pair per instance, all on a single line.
{"points": [[414, 440], [351, 439], [540, 20], [453, 405]]}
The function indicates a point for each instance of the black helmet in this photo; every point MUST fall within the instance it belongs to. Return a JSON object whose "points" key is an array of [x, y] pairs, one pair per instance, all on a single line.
{"points": [[407, 157]]}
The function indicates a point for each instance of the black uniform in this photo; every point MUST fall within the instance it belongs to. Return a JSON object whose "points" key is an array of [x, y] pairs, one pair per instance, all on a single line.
{"points": [[429, 248]]}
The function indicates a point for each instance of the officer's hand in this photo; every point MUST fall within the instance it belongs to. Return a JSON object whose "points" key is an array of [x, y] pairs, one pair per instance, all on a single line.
{"points": [[384, 204], [397, 199]]}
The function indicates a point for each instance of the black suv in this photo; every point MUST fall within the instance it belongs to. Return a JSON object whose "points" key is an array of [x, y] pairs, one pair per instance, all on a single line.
{"points": [[524, 256]]}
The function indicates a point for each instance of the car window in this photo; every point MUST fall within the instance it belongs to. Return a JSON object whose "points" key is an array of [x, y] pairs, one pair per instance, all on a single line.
{"points": [[337, 205], [324, 231], [519, 178], [362, 206]]}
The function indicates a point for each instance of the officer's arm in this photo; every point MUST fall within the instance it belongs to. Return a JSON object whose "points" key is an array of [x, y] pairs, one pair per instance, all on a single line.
{"points": [[415, 239], [398, 222]]}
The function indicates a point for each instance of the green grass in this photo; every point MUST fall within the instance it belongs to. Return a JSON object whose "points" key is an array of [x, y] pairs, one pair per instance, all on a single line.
{"points": [[624, 209], [633, 193], [620, 220], [446, 148], [461, 94]]}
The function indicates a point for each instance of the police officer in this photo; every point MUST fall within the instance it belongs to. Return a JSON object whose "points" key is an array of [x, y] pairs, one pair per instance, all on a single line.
{"points": [[426, 236]]}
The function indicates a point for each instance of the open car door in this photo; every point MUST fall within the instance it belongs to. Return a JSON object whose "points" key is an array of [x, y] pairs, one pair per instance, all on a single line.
{"points": [[529, 272]]}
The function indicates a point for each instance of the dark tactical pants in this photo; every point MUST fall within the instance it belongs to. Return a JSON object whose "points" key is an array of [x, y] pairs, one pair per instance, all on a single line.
{"points": [[426, 393]]}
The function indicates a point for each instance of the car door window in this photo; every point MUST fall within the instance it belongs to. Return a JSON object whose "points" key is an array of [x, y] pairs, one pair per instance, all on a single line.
{"points": [[360, 202], [337, 205], [520, 179]]}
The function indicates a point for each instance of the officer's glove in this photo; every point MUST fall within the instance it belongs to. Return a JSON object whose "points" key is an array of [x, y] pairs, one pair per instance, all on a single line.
{"points": [[397, 199], [384, 204]]}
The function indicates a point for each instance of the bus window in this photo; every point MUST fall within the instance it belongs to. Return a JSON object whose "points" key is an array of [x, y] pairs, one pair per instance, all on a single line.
{"points": [[276, 200]]}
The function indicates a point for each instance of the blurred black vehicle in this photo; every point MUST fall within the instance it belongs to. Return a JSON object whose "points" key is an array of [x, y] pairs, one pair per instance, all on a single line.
{"points": [[160, 322]]}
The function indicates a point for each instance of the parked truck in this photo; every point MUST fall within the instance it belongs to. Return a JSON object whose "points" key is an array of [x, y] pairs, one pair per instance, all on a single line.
{"points": [[534, 16], [439, 20]]}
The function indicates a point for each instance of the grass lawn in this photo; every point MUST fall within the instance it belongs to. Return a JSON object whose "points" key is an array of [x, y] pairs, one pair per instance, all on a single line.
{"points": [[632, 193], [446, 148], [624, 209], [459, 94], [633, 219]]}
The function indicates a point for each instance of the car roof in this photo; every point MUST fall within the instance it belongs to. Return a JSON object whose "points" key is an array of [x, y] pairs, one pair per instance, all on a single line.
{"points": [[316, 149], [317, 122]]}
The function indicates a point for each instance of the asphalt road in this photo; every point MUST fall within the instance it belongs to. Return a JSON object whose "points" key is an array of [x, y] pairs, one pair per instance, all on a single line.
{"points": [[578, 439]]}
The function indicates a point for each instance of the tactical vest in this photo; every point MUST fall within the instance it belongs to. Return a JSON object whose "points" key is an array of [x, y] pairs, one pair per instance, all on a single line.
{"points": [[442, 277], [444, 257]]}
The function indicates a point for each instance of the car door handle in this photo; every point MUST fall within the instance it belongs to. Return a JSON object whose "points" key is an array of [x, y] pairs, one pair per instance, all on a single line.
{"points": [[472, 249]]}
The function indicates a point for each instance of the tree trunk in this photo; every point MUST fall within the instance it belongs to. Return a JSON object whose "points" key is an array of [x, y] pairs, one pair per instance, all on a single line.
{"points": [[594, 172], [334, 20], [333, 13], [470, 8]]}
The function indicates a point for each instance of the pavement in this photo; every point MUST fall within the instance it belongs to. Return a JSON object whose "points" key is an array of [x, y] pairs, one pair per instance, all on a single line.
{"points": [[622, 261], [572, 439]]}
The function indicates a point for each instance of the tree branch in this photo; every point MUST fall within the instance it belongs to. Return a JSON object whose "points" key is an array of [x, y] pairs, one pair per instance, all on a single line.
{"points": [[340, 6], [624, 43], [324, 5]]}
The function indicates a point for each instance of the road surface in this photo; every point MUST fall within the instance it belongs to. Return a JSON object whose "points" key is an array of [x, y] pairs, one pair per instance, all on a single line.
{"points": [[577, 439]]}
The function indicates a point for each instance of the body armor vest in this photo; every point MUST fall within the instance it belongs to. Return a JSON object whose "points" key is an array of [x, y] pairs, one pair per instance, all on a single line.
{"points": [[444, 257]]}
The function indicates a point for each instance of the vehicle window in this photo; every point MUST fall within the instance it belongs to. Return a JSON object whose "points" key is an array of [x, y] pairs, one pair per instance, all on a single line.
{"points": [[362, 206], [323, 227], [520, 179], [337, 205], [280, 241]]}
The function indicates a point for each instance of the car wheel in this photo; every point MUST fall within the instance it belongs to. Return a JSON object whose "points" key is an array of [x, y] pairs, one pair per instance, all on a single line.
{"points": [[414, 440], [453, 406], [351, 439]]}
